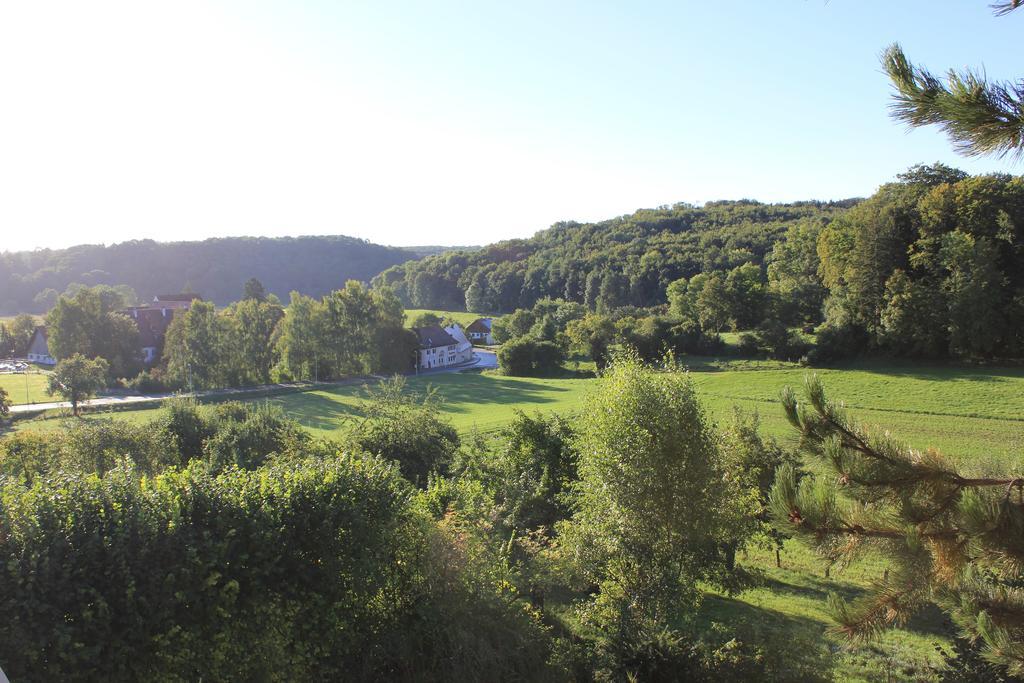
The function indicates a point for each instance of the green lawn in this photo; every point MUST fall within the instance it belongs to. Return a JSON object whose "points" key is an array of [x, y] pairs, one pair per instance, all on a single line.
{"points": [[472, 401], [974, 414], [33, 382]]}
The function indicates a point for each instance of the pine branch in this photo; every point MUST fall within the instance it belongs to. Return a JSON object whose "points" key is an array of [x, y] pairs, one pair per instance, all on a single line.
{"points": [[1004, 8], [979, 117]]}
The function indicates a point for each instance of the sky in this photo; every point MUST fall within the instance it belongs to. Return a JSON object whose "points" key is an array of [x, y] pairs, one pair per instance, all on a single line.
{"points": [[453, 123]]}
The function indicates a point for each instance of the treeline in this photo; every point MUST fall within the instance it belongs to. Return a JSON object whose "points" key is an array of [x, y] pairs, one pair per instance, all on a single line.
{"points": [[351, 331], [929, 266], [627, 261], [30, 282]]}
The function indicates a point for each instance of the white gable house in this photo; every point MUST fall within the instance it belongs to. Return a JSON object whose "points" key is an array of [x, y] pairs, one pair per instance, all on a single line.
{"points": [[39, 348], [479, 331], [439, 349]]}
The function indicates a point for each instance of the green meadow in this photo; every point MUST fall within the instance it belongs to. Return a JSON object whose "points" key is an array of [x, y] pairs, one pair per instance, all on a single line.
{"points": [[461, 317], [27, 388]]}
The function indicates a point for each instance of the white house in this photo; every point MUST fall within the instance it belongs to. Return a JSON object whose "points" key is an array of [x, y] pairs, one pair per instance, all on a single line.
{"points": [[479, 331], [464, 350], [39, 348], [439, 349]]}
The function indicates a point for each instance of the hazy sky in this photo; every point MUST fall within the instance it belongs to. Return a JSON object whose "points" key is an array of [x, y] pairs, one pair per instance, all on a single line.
{"points": [[452, 122]]}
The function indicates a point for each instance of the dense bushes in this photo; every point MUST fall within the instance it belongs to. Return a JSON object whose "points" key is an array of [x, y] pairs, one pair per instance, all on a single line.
{"points": [[524, 356], [313, 570], [229, 434], [406, 428]]}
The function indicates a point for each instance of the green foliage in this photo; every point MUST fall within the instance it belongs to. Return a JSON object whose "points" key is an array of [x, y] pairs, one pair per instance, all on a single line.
{"points": [[652, 500], [526, 357], [948, 536], [624, 261], [89, 324], [777, 341], [76, 378], [931, 266], [5, 403], [196, 348], [528, 468], [21, 329], [254, 321], [184, 426], [244, 435], [793, 279], [978, 116], [406, 428]]}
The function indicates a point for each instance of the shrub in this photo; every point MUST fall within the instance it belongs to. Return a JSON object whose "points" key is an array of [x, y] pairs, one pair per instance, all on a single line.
{"points": [[405, 428], [246, 435], [311, 570], [148, 382], [779, 342], [526, 357], [838, 342]]}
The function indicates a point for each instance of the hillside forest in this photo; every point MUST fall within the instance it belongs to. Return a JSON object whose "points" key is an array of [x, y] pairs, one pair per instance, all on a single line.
{"points": [[931, 265], [31, 282]]}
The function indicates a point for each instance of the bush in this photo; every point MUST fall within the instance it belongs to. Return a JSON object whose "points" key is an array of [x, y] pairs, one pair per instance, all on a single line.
{"points": [[246, 435], [525, 357], [147, 382], [838, 342], [312, 570], [779, 342], [407, 429]]}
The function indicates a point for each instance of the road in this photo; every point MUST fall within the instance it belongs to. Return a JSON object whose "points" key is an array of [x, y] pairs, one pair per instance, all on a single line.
{"points": [[481, 360]]}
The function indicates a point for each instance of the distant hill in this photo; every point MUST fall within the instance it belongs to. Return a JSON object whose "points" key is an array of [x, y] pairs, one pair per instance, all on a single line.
{"points": [[214, 268], [630, 258]]}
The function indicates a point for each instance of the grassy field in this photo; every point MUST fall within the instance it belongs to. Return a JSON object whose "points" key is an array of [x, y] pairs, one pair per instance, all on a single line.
{"points": [[16, 386], [975, 414], [460, 317], [7, 319]]}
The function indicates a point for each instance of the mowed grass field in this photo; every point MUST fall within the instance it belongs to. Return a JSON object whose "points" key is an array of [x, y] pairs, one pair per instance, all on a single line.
{"points": [[461, 317], [34, 384]]}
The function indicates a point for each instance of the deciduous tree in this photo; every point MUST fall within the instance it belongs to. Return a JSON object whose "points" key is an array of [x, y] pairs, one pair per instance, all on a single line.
{"points": [[77, 378]]}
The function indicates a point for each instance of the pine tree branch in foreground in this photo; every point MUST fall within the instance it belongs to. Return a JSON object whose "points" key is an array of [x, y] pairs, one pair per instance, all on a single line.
{"points": [[980, 117], [953, 539]]}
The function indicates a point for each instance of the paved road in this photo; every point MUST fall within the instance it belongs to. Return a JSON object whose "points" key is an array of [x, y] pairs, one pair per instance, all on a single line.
{"points": [[481, 360]]}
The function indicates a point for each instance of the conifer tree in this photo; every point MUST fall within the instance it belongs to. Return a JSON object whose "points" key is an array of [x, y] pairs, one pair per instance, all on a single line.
{"points": [[952, 538], [979, 116]]}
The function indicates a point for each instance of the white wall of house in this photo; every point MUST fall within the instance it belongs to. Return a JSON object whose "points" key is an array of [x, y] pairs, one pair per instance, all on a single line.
{"points": [[438, 357], [464, 350]]}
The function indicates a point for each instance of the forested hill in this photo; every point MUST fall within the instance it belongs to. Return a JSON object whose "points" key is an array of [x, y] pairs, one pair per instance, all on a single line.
{"points": [[628, 260], [214, 268]]}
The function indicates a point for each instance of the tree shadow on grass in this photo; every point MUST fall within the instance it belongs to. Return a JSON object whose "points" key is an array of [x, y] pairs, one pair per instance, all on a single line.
{"points": [[462, 391], [317, 410], [793, 642], [928, 621]]}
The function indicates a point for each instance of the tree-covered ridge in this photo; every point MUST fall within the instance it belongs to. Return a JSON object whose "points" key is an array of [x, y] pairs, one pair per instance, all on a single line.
{"points": [[31, 281], [628, 260]]}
